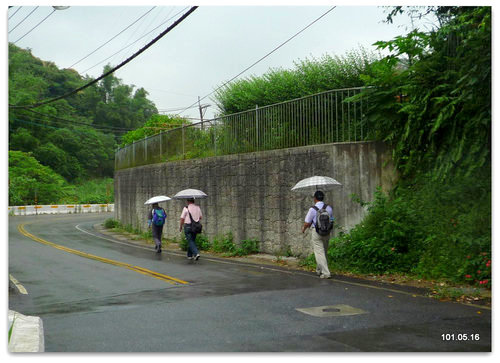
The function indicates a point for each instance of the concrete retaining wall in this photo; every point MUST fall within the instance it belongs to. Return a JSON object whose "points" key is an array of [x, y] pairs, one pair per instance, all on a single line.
{"points": [[29, 210], [249, 194]]}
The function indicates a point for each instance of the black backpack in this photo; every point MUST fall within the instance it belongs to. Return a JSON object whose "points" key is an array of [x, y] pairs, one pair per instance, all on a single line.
{"points": [[324, 224]]}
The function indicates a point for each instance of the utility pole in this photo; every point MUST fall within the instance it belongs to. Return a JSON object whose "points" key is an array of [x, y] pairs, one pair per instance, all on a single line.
{"points": [[202, 109], [201, 113]]}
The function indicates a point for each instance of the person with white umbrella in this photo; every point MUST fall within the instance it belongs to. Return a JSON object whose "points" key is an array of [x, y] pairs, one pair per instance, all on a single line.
{"points": [[191, 219], [320, 217], [156, 219]]}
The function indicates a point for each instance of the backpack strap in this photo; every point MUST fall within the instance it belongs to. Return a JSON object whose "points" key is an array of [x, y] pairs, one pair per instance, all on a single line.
{"points": [[190, 216], [315, 208]]}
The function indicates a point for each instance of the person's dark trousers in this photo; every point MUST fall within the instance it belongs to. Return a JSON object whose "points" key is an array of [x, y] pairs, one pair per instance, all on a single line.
{"points": [[157, 231], [191, 238]]}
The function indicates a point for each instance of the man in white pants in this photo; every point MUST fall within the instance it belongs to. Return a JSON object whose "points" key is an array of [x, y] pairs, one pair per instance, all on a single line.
{"points": [[319, 242]]}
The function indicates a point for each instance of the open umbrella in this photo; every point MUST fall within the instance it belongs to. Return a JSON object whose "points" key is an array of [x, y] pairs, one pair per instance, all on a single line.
{"points": [[157, 199], [316, 183], [190, 194]]}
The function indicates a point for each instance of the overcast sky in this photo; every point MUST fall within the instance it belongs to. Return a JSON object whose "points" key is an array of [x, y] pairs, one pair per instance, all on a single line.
{"points": [[208, 48]]}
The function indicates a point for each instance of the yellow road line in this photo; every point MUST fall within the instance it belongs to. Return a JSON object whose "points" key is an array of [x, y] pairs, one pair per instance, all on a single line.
{"points": [[20, 287], [141, 270]]}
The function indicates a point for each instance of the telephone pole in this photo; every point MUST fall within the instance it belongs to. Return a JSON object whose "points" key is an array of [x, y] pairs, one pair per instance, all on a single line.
{"points": [[203, 109]]}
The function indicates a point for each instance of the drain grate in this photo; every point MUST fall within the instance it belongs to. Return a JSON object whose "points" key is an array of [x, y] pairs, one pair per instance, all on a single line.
{"points": [[332, 310]]}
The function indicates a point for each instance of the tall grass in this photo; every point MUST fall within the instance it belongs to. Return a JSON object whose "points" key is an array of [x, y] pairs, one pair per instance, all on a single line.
{"points": [[93, 191]]}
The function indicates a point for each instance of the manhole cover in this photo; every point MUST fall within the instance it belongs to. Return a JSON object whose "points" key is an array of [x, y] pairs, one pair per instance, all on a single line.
{"points": [[332, 310]]}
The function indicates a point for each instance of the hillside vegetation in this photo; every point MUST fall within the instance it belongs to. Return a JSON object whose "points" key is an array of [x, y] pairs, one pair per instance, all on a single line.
{"points": [[73, 138]]}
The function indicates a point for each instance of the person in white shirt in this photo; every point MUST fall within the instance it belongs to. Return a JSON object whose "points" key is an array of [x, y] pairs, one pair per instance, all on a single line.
{"points": [[191, 210], [319, 242]]}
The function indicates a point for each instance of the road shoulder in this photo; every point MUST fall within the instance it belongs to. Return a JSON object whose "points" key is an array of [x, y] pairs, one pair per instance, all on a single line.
{"points": [[421, 287]]}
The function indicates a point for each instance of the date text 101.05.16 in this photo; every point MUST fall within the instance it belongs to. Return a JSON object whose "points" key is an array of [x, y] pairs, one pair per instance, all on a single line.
{"points": [[460, 337]]}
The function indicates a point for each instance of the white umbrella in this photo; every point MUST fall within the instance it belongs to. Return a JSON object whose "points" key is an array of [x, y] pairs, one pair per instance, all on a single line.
{"points": [[190, 194], [157, 199], [315, 183]]}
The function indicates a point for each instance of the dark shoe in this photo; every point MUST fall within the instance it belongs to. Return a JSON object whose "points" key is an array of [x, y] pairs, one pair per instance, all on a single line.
{"points": [[158, 250], [197, 257]]}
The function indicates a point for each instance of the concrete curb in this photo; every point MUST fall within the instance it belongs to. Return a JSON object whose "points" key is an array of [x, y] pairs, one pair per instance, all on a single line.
{"points": [[27, 333]]}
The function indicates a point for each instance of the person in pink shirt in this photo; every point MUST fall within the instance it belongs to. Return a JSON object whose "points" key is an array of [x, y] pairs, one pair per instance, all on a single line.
{"points": [[190, 212]]}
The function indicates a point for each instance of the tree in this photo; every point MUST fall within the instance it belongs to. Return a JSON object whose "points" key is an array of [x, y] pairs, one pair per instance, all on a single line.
{"points": [[153, 126], [55, 133], [23, 140], [435, 110], [31, 183], [59, 161]]}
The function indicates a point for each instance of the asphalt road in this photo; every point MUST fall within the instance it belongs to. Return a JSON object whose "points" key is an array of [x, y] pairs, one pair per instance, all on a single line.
{"points": [[96, 294]]}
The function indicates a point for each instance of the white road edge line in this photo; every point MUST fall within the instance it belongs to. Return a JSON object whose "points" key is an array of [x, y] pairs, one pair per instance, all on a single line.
{"points": [[178, 254], [111, 240], [20, 287]]}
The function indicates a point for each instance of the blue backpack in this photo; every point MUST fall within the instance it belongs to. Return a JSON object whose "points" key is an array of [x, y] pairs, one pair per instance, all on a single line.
{"points": [[159, 217]]}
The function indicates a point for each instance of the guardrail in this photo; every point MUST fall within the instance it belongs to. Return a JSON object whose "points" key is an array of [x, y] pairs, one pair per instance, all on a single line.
{"points": [[29, 210]]}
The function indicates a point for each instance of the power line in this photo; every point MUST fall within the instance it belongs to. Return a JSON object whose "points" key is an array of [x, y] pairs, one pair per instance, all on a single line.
{"points": [[152, 21], [177, 22], [26, 17], [37, 124], [90, 126], [15, 12], [95, 50], [258, 61], [29, 31], [111, 56], [175, 109], [109, 128], [136, 31], [90, 140]]}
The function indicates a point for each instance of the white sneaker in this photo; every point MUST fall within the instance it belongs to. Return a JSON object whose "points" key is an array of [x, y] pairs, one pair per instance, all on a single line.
{"points": [[324, 276], [197, 257], [190, 258]]}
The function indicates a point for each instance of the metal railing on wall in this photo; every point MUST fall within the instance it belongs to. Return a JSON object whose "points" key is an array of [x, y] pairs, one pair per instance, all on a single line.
{"points": [[326, 117]]}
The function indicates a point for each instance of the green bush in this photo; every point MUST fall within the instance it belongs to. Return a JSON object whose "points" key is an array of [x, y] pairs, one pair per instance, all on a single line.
{"points": [[429, 228], [183, 244], [224, 243], [307, 77], [247, 247], [111, 223], [93, 191], [308, 262], [381, 242], [203, 243]]}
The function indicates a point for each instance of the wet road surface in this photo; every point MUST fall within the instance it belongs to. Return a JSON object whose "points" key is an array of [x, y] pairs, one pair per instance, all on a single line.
{"points": [[113, 297]]}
